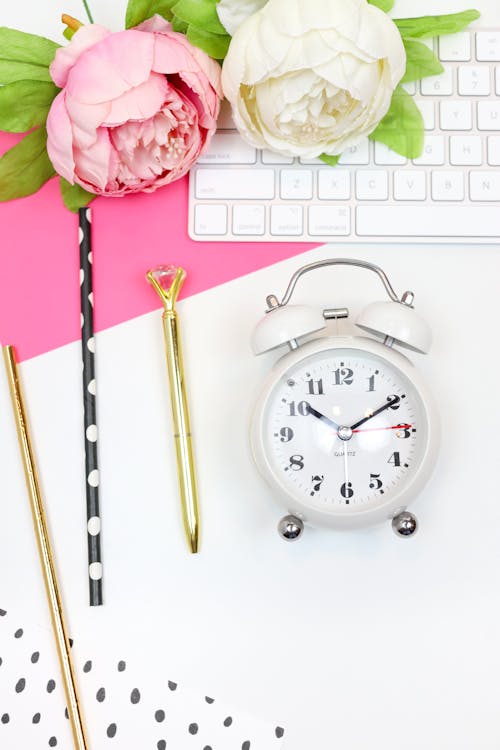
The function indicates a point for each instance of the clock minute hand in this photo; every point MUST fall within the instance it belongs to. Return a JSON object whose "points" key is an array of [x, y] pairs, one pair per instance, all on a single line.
{"points": [[323, 418], [388, 405]]}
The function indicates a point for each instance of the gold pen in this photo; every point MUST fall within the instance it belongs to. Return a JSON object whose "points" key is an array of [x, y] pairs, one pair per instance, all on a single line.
{"points": [[167, 281], [44, 549]]}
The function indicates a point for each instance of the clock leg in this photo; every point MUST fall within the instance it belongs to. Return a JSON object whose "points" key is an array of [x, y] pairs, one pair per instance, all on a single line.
{"points": [[290, 528], [404, 524]]}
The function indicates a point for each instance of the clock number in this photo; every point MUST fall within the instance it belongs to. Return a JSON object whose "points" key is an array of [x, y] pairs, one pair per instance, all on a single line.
{"points": [[296, 462], [403, 432], [315, 387], [397, 403], [302, 408], [317, 481], [286, 434], [343, 376], [346, 490], [375, 483], [371, 383], [394, 460]]}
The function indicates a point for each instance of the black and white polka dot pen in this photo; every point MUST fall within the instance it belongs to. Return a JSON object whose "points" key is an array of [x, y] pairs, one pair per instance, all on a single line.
{"points": [[90, 410]]}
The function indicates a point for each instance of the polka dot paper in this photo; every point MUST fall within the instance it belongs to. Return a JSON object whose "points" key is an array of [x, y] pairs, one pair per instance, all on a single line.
{"points": [[127, 705]]}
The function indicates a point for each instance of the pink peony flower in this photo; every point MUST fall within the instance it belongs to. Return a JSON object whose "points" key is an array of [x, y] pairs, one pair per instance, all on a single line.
{"points": [[136, 109]]}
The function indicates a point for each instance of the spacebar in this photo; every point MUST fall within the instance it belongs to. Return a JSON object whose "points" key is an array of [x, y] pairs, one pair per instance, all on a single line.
{"points": [[428, 221]]}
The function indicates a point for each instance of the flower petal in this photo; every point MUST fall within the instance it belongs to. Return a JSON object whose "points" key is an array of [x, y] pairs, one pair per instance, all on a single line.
{"points": [[60, 139], [112, 66], [232, 13], [85, 120], [65, 57], [92, 164], [138, 103]]}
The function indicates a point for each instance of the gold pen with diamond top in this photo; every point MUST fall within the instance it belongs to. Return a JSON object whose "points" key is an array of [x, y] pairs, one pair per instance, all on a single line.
{"points": [[167, 281]]}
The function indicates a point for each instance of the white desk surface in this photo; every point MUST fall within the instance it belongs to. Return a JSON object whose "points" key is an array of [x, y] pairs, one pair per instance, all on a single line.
{"points": [[349, 641]]}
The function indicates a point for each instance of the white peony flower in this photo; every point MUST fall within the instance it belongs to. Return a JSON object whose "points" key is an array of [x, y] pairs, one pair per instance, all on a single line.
{"points": [[307, 77], [232, 13]]}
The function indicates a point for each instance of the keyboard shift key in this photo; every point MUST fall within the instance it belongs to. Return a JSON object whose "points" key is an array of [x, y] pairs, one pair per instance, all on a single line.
{"points": [[330, 221], [372, 185], [210, 218], [235, 184], [286, 220], [249, 220], [484, 186]]}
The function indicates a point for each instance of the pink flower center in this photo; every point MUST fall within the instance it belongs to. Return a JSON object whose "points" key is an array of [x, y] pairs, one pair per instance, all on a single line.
{"points": [[146, 150]]}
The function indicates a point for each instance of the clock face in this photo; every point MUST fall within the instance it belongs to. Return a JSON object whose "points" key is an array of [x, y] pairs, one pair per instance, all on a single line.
{"points": [[344, 431]]}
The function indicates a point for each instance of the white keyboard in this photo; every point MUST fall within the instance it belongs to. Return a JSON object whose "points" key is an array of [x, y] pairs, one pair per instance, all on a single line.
{"points": [[452, 191]]}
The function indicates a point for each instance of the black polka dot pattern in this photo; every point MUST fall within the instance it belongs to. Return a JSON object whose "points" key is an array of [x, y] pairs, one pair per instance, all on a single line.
{"points": [[161, 744], [246, 745], [3, 612], [122, 666], [228, 721], [51, 686], [172, 685], [90, 411], [5, 718], [160, 715], [100, 695], [35, 657], [111, 730], [193, 728], [20, 685], [87, 666], [279, 732], [52, 742], [135, 696], [36, 718], [19, 633], [209, 700]]}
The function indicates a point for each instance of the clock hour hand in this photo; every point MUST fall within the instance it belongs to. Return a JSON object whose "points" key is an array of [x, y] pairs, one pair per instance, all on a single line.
{"points": [[387, 405], [323, 418]]}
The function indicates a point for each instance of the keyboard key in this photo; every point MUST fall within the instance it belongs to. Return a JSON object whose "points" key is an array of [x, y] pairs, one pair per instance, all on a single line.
{"points": [[441, 85], [286, 220], [426, 106], [473, 80], [488, 46], [330, 221], [455, 115], [246, 184], [228, 148], [494, 150], [268, 157], [465, 150], [334, 184], [455, 47], [428, 221], [249, 220], [296, 184], [372, 185], [488, 115], [305, 160], [385, 155], [409, 185], [210, 219], [484, 186], [447, 185], [433, 152], [358, 154], [497, 80]]}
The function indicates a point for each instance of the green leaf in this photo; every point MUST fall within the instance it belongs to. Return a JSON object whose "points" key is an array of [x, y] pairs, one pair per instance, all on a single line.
{"points": [[425, 27], [199, 13], [140, 10], [331, 160], [74, 196], [180, 26], [420, 61], [25, 104], [215, 45], [385, 5], [402, 129], [25, 167], [25, 56]]}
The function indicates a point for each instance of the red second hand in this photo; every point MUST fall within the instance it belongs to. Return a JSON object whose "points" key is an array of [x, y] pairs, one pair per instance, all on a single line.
{"points": [[393, 427]]}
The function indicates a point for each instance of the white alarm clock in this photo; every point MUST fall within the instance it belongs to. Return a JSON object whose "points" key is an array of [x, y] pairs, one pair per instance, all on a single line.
{"points": [[345, 431]]}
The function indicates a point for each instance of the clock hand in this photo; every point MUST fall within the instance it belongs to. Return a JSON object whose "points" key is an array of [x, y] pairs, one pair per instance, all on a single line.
{"points": [[388, 405], [322, 417], [392, 427]]}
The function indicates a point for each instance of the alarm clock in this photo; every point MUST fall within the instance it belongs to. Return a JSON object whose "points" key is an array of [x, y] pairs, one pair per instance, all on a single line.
{"points": [[345, 431]]}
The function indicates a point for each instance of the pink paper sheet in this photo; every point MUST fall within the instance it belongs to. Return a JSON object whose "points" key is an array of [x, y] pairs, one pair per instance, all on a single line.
{"points": [[39, 269]]}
